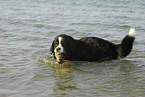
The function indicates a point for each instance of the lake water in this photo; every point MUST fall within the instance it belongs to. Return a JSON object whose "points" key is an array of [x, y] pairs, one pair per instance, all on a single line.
{"points": [[27, 28]]}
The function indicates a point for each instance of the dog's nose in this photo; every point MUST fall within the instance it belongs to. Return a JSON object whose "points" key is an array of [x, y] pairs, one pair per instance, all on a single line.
{"points": [[58, 49]]}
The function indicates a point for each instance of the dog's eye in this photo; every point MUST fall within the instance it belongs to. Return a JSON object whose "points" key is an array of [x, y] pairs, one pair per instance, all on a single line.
{"points": [[56, 42]]}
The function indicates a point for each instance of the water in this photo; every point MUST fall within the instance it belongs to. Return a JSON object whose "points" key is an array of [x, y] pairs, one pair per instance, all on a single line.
{"points": [[27, 28]]}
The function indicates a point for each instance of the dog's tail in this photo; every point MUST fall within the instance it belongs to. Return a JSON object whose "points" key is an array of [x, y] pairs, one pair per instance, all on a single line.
{"points": [[127, 43]]}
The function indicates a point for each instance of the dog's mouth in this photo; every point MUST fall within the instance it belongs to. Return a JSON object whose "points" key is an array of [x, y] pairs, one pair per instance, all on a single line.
{"points": [[59, 57]]}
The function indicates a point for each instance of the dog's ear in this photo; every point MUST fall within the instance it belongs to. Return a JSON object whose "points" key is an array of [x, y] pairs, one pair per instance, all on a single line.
{"points": [[52, 48]]}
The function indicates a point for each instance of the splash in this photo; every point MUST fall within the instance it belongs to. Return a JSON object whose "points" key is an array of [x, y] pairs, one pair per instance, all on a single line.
{"points": [[46, 58]]}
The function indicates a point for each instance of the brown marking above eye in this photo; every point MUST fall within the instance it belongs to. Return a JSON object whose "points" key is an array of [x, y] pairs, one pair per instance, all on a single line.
{"points": [[61, 41]]}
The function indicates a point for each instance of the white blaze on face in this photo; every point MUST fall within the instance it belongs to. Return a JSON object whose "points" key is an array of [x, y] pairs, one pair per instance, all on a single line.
{"points": [[59, 45]]}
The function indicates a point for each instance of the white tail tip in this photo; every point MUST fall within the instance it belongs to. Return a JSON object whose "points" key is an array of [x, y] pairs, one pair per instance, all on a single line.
{"points": [[131, 32]]}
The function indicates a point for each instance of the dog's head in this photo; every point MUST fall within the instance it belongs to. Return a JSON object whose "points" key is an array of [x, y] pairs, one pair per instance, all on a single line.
{"points": [[61, 47]]}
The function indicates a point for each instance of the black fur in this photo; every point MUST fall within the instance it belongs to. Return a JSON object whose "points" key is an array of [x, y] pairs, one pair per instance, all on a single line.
{"points": [[92, 48], [126, 45]]}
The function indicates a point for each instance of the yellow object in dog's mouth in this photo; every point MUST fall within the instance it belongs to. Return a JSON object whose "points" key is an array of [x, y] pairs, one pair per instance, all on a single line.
{"points": [[59, 57]]}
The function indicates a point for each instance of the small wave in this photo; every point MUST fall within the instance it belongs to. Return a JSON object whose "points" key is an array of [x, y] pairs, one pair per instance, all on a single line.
{"points": [[2, 30], [53, 27], [39, 25], [125, 26], [48, 26], [138, 57], [103, 25], [91, 24], [46, 58]]}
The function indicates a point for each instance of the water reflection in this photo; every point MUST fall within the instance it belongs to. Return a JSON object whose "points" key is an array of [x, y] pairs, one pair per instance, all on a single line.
{"points": [[64, 79], [128, 78], [117, 77], [62, 73]]}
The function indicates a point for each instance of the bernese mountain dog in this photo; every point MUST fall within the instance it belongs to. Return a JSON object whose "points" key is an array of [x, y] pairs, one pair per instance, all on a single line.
{"points": [[64, 47]]}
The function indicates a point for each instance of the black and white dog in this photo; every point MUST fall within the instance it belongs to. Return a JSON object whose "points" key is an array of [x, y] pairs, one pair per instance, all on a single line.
{"points": [[64, 47]]}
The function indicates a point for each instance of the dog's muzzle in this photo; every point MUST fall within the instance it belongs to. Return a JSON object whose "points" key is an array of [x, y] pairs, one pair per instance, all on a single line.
{"points": [[59, 55]]}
